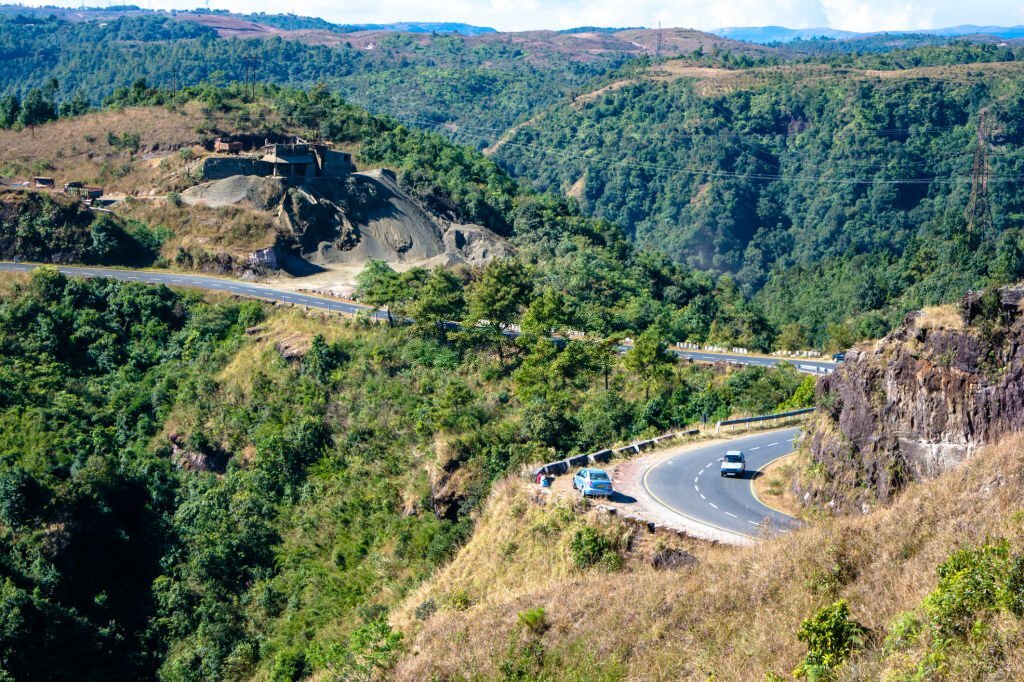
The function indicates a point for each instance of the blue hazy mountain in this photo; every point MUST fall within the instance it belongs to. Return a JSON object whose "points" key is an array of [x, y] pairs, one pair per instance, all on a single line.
{"points": [[781, 34]]}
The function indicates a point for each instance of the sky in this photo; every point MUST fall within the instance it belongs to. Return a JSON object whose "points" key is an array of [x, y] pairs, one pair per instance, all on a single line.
{"points": [[516, 15]]}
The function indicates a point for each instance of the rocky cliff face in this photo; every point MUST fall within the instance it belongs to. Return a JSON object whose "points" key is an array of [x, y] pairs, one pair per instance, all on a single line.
{"points": [[920, 401]]}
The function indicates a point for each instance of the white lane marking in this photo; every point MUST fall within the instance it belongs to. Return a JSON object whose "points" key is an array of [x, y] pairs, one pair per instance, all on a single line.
{"points": [[731, 514], [707, 465], [696, 488], [755, 523], [695, 479], [771, 445], [713, 505], [176, 281], [757, 448], [783, 531], [702, 497]]}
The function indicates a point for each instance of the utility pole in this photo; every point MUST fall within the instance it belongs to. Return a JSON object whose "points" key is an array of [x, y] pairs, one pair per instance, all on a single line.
{"points": [[979, 211], [657, 46]]}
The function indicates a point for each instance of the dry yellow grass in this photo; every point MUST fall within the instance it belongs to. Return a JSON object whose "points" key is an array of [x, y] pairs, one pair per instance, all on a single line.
{"points": [[78, 148], [945, 317], [773, 487], [733, 617]]}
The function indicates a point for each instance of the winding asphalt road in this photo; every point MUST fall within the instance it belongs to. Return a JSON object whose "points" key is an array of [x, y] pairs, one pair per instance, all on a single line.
{"points": [[227, 286], [690, 485], [240, 288]]}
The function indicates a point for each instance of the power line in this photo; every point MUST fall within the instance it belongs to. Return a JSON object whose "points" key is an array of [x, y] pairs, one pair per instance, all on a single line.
{"points": [[694, 171]]}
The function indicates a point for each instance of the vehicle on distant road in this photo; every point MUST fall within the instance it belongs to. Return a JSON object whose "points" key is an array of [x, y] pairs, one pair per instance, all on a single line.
{"points": [[592, 482], [733, 464], [839, 357]]}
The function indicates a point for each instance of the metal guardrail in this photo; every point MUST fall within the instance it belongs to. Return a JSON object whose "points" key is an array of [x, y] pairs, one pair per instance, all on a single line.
{"points": [[564, 466], [767, 417]]}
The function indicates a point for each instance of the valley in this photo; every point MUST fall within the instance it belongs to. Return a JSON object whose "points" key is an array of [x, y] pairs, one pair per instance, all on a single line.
{"points": [[392, 350]]}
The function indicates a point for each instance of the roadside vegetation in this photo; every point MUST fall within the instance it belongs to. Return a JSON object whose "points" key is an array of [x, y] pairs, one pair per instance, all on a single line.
{"points": [[202, 489]]}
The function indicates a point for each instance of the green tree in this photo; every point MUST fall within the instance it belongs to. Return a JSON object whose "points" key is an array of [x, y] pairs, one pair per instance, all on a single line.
{"points": [[380, 286], [36, 108], [502, 292], [10, 107], [438, 301], [650, 360]]}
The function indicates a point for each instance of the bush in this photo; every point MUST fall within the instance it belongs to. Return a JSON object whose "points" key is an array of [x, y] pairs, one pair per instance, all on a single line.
{"points": [[534, 620], [1014, 595], [970, 583], [589, 547], [289, 666], [831, 637]]}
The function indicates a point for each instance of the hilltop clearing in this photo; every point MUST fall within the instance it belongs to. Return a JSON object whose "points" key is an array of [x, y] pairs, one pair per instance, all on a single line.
{"points": [[147, 160]]}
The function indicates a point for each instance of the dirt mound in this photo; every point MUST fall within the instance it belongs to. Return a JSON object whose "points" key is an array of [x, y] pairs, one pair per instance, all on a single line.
{"points": [[348, 222], [256, 192]]}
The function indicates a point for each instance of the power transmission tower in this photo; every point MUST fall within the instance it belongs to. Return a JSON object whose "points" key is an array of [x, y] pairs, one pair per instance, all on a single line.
{"points": [[657, 45], [979, 210]]}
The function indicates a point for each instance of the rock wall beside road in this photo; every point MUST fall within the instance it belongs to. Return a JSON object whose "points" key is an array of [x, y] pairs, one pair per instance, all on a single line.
{"points": [[920, 401]]}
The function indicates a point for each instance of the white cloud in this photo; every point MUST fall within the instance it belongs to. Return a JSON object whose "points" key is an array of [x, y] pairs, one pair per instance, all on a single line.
{"points": [[878, 16]]}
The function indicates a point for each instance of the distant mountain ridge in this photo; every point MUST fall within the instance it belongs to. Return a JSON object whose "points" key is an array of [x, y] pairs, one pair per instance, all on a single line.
{"points": [[282, 21], [781, 34]]}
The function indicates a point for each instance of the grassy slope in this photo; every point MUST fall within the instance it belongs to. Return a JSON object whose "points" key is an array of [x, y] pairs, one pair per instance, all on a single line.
{"points": [[80, 149], [733, 617]]}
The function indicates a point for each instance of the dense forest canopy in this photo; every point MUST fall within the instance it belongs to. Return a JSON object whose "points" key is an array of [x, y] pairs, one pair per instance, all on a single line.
{"points": [[830, 181], [432, 80], [829, 197]]}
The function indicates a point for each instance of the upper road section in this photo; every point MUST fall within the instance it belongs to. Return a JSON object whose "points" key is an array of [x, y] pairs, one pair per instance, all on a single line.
{"points": [[267, 293]]}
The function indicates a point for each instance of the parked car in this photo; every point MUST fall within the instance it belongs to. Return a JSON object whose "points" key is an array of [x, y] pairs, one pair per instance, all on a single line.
{"points": [[839, 357], [733, 464], [592, 482]]}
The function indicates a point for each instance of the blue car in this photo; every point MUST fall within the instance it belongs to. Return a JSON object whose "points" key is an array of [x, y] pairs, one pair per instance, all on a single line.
{"points": [[592, 482]]}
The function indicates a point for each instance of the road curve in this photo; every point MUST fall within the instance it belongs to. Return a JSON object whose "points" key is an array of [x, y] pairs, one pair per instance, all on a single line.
{"points": [[240, 288], [689, 485]]}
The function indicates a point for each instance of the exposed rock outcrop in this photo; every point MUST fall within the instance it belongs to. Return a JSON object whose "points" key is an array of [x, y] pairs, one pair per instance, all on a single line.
{"points": [[920, 401]]}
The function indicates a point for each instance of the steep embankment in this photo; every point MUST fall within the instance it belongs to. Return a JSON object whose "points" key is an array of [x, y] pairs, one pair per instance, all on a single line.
{"points": [[548, 591], [917, 403]]}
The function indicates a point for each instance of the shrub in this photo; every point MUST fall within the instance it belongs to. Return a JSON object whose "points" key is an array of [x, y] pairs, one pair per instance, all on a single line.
{"points": [[289, 666], [426, 609], [831, 636], [903, 632], [589, 548], [1014, 595], [459, 600], [970, 582], [534, 620]]}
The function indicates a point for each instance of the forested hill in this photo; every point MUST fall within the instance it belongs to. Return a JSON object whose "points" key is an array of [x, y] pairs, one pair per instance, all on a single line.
{"points": [[832, 194], [474, 87]]}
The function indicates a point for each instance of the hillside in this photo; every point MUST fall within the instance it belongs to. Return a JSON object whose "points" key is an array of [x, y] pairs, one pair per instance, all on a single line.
{"points": [[924, 576], [208, 489], [837, 196], [147, 161]]}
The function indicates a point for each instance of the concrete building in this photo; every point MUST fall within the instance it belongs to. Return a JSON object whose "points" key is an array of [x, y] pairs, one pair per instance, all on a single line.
{"points": [[296, 162], [303, 160]]}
